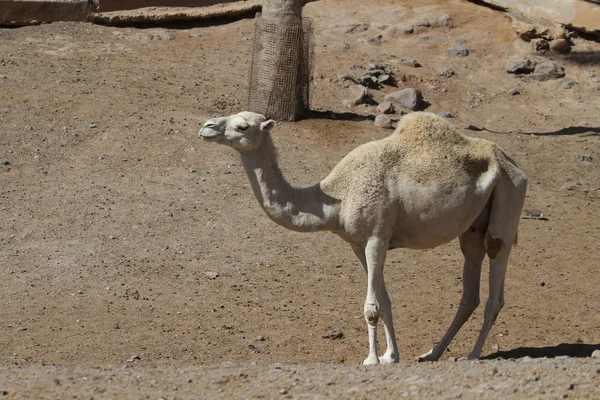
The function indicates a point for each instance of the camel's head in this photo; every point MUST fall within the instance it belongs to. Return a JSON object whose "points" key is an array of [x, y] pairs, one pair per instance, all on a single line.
{"points": [[243, 131]]}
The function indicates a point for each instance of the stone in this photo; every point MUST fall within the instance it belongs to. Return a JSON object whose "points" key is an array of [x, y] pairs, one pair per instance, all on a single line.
{"points": [[359, 94], [447, 73], [596, 353], [524, 30], [162, 35], [567, 85], [459, 52], [520, 66], [560, 46], [540, 44], [547, 70], [355, 28], [211, 274], [89, 124], [383, 108], [585, 158], [383, 121], [460, 43], [445, 114], [399, 29], [333, 335], [347, 77], [410, 63], [409, 98], [4, 162], [513, 92]]}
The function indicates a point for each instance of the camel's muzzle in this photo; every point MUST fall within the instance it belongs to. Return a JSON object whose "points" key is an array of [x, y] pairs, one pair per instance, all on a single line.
{"points": [[208, 133]]}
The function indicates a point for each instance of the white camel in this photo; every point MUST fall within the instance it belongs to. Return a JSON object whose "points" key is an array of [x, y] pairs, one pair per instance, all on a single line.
{"points": [[418, 188]]}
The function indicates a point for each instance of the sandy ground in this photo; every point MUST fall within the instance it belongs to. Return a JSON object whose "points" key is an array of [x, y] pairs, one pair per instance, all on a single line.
{"points": [[112, 211]]}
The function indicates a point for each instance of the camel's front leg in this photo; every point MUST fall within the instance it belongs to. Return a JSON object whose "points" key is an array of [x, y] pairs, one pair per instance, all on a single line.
{"points": [[377, 303]]}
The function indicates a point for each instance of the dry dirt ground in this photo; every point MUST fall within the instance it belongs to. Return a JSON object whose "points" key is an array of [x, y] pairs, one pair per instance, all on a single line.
{"points": [[112, 211]]}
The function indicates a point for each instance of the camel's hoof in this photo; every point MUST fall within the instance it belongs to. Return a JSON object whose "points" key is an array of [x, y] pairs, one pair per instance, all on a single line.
{"points": [[389, 358], [427, 357], [371, 360]]}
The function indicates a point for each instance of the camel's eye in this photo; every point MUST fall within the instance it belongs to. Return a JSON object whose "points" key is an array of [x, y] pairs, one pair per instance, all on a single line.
{"points": [[243, 127]]}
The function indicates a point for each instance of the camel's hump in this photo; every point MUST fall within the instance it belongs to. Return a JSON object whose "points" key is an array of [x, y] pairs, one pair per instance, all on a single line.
{"points": [[429, 129]]}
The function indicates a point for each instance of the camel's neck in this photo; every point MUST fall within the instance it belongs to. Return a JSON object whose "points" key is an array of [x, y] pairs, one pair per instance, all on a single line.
{"points": [[303, 210]]}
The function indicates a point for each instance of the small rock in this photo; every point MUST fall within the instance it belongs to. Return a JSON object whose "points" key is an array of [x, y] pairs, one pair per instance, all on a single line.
{"points": [[520, 66], [253, 348], [409, 98], [211, 274], [547, 70], [445, 114], [347, 77], [89, 124], [567, 85], [134, 358], [260, 339], [399, 29], [385, 107], [560, 46], [513, 92], [333, 335], [585, 158], [533, 213], [540, 44], [165, 35], [354, 28], [383, 121], [447, 73], [4, 162], [3, 393], [542, 283], [596, 353], [396, 260], [410, 63], [360, 95], [459, 52]]}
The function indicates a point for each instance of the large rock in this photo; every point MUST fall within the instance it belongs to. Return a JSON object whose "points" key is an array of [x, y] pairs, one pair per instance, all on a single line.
{"points": [[409, 98]]}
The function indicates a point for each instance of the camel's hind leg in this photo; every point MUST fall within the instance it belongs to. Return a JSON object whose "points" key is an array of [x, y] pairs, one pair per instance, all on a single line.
{"points": [[473, 249], [507, 203]]}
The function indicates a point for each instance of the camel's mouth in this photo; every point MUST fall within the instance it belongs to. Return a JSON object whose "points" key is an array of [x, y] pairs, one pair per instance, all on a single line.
{"points": [[209, 134]]}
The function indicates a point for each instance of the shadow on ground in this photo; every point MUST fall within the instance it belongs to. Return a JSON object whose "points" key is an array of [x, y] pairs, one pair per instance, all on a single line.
{"points": [[344, 116], [563, 349]]}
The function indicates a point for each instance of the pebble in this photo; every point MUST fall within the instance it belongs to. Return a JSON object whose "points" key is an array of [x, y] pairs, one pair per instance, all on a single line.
{"points": [[89, 124], [333, 335], [459, 52], [211, 274], [4, 162], [260, 339], [585, 158], [447, 73], [513, 92], [445, 114], [596, 353], [560, 46]]}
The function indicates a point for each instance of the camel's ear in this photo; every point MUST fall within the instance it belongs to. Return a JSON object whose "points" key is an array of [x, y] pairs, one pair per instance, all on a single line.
{"points": [[267, 125]]}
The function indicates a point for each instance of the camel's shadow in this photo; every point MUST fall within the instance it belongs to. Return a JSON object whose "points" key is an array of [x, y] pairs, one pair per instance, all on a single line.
{"points": [[564, 349]]}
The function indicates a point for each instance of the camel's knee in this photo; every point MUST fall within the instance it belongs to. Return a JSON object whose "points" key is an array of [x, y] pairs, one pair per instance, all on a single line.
{"points": [[372, 313], [492, 308], [470, 303], [493, 245]]}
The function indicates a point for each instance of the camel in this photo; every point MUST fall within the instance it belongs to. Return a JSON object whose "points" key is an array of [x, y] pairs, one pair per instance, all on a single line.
{"points": [[424, 185]]}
